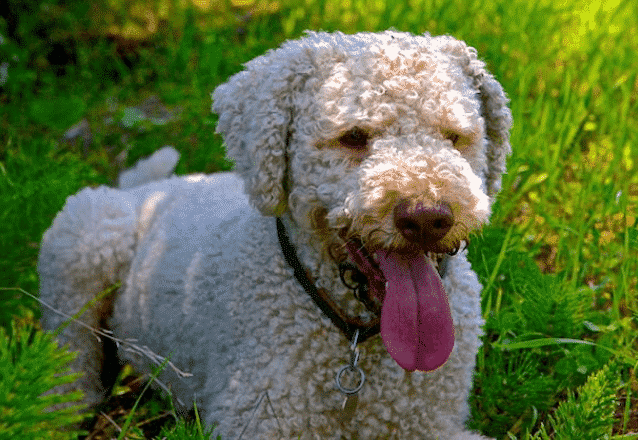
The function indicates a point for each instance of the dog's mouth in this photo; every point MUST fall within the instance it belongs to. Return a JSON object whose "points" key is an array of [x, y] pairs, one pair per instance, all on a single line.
{"points": [[416, 321]]}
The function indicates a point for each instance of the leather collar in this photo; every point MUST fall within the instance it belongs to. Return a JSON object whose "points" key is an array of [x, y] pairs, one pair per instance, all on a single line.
{"points": [[342, 320]]}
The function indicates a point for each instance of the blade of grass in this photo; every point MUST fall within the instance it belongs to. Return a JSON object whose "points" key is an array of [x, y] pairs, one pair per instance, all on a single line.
{"points": [[543, 342], [488, 288], [100, 296], [129, 419]]}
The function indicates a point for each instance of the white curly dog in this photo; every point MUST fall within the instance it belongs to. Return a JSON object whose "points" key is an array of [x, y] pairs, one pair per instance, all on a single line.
{"points": [[355, 314]]}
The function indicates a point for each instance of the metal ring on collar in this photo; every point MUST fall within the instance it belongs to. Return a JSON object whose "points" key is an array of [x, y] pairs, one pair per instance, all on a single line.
{"points": [[362, 379]]}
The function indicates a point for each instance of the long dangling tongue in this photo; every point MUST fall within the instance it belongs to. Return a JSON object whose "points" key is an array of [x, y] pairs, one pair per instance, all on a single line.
{"points": [[416, 322]]}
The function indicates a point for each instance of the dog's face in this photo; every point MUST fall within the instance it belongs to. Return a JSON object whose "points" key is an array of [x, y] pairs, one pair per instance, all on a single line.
{"points": [[390, 128], [386, 148]]}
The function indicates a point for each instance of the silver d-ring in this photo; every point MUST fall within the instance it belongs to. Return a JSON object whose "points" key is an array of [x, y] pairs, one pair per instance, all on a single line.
{"points": [[362, 379]]}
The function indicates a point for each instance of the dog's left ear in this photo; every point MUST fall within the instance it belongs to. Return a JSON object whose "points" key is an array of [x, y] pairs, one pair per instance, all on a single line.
{"points": [[497, 115], [498, 118]]}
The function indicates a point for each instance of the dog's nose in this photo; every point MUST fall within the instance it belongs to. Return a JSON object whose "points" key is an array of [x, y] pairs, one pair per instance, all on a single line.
{"points": [[423, 225]]}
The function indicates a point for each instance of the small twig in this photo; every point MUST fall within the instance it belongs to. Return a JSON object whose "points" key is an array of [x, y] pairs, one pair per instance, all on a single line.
{"points": [[252, 416], [111, 421], [127, 344]]}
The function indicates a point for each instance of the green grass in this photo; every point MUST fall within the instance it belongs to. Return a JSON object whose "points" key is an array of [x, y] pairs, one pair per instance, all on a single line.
{"points": [[560, 258]]}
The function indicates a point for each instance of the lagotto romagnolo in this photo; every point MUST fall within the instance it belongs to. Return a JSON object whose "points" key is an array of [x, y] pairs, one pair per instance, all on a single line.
{"points": [[363, 162]]}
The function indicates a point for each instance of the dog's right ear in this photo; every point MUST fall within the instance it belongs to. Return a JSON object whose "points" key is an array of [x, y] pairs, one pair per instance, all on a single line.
{"points": [[255, 113]]}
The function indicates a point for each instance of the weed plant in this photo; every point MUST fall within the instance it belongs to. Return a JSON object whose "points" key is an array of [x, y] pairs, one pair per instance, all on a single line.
{"points": [[31, 365], [558, 262]]}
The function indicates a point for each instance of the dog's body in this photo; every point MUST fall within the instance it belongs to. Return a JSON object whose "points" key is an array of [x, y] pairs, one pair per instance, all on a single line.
{"points": [[373, 149]]}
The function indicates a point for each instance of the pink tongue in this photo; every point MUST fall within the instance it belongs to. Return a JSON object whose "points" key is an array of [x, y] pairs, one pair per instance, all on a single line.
{"points": [[416, 322]]}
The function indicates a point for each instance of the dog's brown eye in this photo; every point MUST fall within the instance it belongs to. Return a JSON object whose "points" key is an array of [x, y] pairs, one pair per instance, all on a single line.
{"points": [[355, 138], [451, 136]]}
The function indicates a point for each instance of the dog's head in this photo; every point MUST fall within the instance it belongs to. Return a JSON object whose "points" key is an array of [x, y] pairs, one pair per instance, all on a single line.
{"points": [[388, 146], [274, 108]]}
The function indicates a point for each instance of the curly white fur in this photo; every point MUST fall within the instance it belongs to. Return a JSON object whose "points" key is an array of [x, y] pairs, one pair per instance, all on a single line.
{"points": [[331, 133]]}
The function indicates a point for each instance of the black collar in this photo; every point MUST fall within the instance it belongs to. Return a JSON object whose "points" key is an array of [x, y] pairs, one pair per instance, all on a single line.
{"points": [[347, 324]]}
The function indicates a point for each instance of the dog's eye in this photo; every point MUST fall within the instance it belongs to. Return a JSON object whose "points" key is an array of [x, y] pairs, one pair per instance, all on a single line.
{"points": [[451, 136], [355, 138]]}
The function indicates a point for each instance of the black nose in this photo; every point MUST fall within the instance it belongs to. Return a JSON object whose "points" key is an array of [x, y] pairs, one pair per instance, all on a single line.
{"points": [[421, 225]]}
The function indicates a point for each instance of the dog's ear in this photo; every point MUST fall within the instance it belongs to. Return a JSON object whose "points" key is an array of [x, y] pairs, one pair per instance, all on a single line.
{"points": [[498, 118], [497, 115], [255, 112]]}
